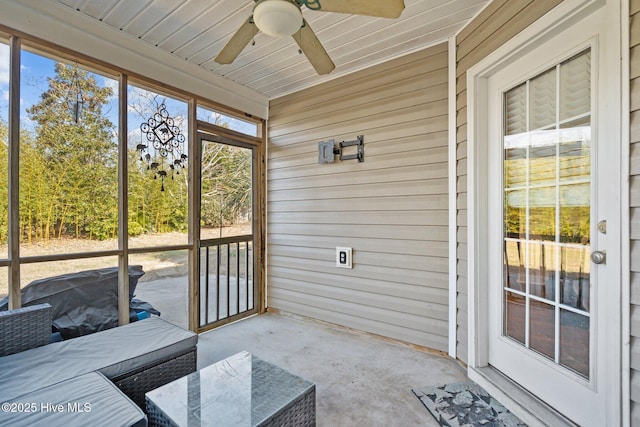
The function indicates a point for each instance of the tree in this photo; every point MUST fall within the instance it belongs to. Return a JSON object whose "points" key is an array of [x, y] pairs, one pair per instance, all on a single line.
{"points": [[69, 175], [69, 169], [226, 184], [154, 207], [226, 173]]}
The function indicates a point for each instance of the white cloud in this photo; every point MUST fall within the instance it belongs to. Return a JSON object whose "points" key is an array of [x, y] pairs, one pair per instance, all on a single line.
{"points": [[27, 123], [134, 135], [113, 84]]}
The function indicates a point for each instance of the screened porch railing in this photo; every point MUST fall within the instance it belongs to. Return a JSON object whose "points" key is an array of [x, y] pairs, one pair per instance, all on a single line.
{"points": [[226, 280]]}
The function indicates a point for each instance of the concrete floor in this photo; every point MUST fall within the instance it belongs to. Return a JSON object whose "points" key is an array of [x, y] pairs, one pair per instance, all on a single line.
{"points": [[167, 295], [361, 380]]}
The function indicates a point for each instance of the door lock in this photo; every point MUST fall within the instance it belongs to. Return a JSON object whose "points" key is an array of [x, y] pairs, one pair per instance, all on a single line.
{"points": [[602, 226], [599, 257]]}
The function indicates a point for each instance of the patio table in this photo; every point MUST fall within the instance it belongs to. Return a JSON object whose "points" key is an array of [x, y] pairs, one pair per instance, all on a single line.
{"points": [[241, 390]]}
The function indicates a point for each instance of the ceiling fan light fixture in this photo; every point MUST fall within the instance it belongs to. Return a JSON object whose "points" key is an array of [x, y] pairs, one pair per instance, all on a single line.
{"points": [[277, 18]]}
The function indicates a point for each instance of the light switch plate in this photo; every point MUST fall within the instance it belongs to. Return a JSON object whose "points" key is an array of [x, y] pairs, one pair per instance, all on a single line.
{"points": [[344, 257]]}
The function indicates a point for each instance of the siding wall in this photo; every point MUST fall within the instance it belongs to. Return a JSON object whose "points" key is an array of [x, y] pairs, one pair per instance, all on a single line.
{"points": [[634, 183], [495, 25], [392, 209]]}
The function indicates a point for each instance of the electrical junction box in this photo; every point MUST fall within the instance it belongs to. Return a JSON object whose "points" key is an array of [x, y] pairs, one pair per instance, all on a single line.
{"points": [[343, 257], [325, 151]]}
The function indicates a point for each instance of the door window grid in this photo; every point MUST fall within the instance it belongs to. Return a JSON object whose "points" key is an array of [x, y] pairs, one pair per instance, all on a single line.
{"points": [[552, 172]]}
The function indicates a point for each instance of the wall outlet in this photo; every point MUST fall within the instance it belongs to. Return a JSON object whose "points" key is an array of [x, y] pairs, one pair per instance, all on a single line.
{"points": [[343, 257]]}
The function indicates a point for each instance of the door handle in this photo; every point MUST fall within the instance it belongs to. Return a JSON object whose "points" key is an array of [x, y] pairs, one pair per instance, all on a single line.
{"points": [[599, 257]]}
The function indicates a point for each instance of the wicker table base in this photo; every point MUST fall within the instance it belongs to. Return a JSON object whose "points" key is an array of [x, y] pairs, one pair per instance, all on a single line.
{"points": [[241, 390]]}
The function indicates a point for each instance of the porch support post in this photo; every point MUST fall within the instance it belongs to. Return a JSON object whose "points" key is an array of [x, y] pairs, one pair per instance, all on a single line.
{"points": [[14, 173], [260, 223], [193, 218], [453, 290], [123, 204]]}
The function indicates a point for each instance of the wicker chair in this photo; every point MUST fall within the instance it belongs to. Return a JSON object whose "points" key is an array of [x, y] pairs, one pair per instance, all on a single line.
{"points": [[24, 328]]}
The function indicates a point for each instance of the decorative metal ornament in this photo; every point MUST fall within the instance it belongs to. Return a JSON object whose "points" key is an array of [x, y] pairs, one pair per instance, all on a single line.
{"points": [[167, 142]]}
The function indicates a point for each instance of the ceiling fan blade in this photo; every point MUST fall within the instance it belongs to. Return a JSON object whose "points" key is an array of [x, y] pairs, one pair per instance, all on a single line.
{"points": [[238, 42], [380, 8], [313, 50]]}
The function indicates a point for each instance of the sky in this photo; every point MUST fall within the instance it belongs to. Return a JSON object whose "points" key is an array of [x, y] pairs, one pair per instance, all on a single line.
{"points": [[36, 68], [4, 80]]}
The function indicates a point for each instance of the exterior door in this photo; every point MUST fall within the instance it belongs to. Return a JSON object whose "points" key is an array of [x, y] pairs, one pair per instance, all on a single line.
{"points": [[227, 239], [553, 165]]}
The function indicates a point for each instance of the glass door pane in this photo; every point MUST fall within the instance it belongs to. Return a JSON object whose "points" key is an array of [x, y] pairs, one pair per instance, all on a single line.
{"points": [[547, 220]]}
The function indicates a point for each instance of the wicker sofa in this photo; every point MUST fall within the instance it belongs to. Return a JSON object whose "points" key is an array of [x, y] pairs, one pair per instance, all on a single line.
{"points": [[109, 371]]}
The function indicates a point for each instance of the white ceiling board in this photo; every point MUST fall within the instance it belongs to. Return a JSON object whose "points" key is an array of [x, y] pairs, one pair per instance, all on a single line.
{"points": [[51, 21], [181, 16], [122, 13], [154, 14], [212, 22], [97, 8], [74, 4], [196, 30]]}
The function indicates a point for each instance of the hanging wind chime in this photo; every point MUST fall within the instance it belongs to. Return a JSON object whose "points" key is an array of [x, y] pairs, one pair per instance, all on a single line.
{"points": [[76, 101], [167, 141]]}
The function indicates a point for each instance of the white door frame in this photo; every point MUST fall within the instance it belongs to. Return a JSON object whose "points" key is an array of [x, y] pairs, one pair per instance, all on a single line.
{"points": [[561, 17]]}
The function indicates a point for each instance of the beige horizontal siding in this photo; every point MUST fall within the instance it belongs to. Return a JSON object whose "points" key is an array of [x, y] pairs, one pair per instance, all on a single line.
{"points": [[500, 21], [391, 209]]}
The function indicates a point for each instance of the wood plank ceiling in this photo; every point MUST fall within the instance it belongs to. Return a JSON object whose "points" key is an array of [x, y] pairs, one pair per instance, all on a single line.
{"points": [[196, 30]]}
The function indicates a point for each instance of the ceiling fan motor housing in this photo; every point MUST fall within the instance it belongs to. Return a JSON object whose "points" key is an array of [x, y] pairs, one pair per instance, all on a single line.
{"points": [[277, 18]]}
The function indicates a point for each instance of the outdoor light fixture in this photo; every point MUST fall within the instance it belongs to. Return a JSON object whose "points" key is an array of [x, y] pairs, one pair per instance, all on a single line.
{"points": [[277, 18]]}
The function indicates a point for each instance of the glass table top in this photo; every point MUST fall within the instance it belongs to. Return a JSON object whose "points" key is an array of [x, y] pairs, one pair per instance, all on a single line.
{"points": [[241, 390]]}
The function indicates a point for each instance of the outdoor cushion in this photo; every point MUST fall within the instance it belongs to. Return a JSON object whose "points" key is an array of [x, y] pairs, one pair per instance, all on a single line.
{"points": [[113, 352], [86, 400]]}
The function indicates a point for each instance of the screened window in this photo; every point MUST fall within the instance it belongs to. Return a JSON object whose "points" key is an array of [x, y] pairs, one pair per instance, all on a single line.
{"points": [[216, 118], [4, 156], [68, 158], [157, 153]]}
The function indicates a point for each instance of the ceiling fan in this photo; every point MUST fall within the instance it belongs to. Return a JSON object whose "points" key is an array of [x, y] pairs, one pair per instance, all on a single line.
{"points": [[284, 18]]}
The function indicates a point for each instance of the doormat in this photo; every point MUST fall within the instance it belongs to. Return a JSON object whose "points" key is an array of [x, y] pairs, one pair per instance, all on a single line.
{"points": [[465, 404]]}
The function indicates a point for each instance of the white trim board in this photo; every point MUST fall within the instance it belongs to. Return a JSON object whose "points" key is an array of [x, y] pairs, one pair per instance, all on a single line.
{"points": [[625, 261], [453, 193]]}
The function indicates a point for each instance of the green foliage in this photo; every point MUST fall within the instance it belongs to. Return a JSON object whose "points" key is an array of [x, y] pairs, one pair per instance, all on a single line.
{"points": [[150, 209], [135, 229], [69, 171], [226, 184], [573, 227], [68, 174], [573, 222]]}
